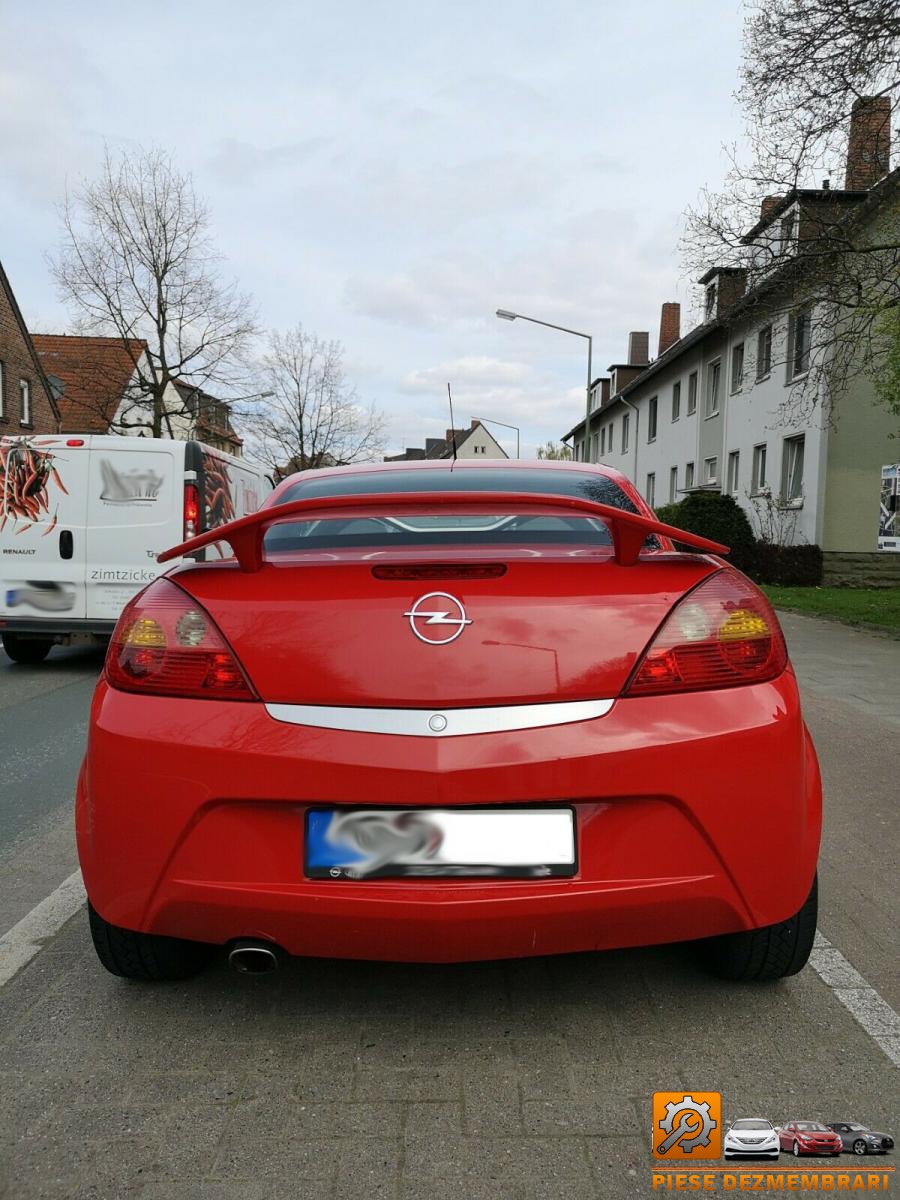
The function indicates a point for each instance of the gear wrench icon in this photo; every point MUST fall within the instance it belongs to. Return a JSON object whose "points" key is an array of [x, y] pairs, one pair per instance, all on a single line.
{"points": [[677, 1133]]}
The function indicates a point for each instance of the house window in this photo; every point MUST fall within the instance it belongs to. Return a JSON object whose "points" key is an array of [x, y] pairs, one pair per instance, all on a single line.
{"points": [[594, 447], [759, 468], [764, 352], [651, 420], [624, 433], [651, 489], [792, 468], [737, 367], [734, 467], [710, 302], [713, 379], [673, 484], [799, 331], [25, 401], [2, 391], [692, 394], [786, 231], [676, 400], [689, 476], [711, 470]]}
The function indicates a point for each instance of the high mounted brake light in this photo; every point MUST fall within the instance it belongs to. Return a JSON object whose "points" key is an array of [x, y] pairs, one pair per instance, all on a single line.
{"points": [[722, 634], [165, 644], [628, 530]]}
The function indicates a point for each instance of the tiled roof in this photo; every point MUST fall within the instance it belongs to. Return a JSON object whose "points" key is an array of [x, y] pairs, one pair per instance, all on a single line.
{"points": [[95, 372]]}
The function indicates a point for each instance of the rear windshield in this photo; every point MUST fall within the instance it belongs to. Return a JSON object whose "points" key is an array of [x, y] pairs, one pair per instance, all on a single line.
{"points": [[452, 527]]}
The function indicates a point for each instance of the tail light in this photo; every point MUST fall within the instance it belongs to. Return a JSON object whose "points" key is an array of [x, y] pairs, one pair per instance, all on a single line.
{"points": [[722, 634], [165, 644], [191, 510]]}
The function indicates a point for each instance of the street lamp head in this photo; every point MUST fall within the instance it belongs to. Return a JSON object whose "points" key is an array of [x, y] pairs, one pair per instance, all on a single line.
{"points": [[505, 315]]}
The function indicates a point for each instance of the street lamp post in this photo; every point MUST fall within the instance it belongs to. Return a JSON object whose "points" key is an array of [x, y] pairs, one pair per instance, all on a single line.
{"points": [[492, 421], [505, 315]]}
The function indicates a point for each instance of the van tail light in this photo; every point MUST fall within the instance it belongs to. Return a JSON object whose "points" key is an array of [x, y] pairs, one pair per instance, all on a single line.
{"points": [[165, 644], [722, 634], [191, 510]]}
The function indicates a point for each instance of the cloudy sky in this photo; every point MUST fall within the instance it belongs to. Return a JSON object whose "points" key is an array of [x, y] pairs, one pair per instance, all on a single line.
{"points": [[390, 173]]}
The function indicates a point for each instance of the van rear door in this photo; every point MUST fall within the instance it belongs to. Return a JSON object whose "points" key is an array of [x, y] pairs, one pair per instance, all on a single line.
{"points": [[43, 510], [135, 510]]}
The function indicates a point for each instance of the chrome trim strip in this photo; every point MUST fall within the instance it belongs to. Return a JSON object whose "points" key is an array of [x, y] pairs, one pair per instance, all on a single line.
{"points": [[435, 722]]}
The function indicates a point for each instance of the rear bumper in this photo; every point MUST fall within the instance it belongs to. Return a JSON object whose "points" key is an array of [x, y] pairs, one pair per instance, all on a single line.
{"points": [[55, 627], [696, 815]]}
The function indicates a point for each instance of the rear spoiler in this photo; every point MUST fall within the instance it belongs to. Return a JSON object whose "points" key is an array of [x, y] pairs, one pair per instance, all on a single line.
{"points": [[628, 530]]}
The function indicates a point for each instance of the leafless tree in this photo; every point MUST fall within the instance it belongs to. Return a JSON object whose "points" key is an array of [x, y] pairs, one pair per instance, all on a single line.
{"points": [[555, 450], [314, 417], [807, 63], [137, 263]]}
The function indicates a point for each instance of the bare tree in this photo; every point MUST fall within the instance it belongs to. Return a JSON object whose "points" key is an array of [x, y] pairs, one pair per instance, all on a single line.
{"points": [[138, 264], [314, 417], [555, 450], [813, 68]]}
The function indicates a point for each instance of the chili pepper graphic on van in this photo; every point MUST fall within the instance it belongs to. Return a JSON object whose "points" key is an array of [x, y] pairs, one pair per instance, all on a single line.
{"points": [[27, 475], [83, 517]]}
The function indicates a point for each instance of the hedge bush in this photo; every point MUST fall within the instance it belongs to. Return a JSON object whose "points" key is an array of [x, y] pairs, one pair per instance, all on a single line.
{"points": [[722, 519], [718, 517], [790, 566]]}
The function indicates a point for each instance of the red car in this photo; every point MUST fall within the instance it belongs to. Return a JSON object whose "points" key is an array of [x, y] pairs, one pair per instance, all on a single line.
{"points": [[437, 712], [809, 1137]]}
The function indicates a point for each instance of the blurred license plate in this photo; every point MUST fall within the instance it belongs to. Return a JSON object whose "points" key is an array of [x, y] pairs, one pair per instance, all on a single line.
{"points": [[372, 843]]}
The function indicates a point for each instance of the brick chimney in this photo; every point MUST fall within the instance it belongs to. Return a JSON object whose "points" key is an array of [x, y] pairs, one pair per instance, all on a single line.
{"points": [[638, 349], [869, 144], [669, 325], [769, 204]]}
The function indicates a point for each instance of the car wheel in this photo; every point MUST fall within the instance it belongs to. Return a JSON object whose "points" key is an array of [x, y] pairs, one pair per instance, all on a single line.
{"points": [[773, 952], [26, 650], [145, 956], [796, 1150], [860, 1147]]}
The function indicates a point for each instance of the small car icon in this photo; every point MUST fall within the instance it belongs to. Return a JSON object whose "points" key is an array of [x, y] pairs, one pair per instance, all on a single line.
{"points": [[860, 1139], [809, 1137], [751, 1137]]}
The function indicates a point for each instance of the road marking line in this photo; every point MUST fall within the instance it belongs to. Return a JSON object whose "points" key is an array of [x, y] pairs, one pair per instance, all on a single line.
{"points": [[19, 945], [860, 999]]}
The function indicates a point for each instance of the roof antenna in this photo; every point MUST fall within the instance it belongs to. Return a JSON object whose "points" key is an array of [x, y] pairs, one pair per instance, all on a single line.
{"points": [[452, 427]]}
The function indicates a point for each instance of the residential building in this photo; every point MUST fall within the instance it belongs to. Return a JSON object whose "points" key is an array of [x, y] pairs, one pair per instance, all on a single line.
{"points": [[714, 409], [474, 442], [27, 404], [99, 390]]}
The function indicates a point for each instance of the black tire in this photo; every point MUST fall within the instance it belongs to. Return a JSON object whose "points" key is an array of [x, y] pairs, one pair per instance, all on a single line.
{"points": [[26, 650], [145, 956], [763, 955], [796, 1149], [860, 1147]]}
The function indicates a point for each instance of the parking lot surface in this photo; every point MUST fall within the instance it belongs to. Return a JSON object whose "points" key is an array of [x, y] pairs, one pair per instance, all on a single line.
{"points": [[518, 1080]]}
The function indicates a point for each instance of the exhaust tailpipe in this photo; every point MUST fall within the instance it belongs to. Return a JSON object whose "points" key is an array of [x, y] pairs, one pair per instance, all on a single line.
{"points": [[254, 958]]}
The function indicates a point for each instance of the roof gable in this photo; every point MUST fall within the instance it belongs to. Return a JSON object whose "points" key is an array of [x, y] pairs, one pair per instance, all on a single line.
{"points": [[95, 372]]}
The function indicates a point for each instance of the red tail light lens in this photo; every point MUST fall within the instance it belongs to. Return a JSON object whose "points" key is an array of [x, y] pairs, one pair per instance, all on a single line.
{"points": [[722, 634], [191, 510], [165, 644]]}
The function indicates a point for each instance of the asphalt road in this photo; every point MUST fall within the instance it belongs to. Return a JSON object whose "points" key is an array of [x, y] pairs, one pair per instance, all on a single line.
{"points": [[512, 1080]]}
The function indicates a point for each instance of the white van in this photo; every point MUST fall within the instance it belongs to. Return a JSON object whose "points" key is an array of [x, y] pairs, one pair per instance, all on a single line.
{"points": [[82, 519]]}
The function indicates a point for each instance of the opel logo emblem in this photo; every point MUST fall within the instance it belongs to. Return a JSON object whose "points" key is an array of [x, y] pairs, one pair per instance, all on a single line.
{"points": [[437, 618]]}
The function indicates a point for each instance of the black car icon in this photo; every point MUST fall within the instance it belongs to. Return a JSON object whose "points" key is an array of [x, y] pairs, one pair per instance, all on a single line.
{"points": [[860, 1139]]}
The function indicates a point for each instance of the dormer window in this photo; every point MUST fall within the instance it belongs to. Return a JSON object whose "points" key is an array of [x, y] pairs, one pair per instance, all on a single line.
{"points": [[711, 301], [786, 230]]}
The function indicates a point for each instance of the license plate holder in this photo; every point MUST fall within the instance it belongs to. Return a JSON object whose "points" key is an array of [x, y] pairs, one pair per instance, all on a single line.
{"points": [[362, 843]]}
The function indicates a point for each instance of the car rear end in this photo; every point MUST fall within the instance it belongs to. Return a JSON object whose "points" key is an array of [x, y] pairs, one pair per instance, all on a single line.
{"points": [[275, 753]]}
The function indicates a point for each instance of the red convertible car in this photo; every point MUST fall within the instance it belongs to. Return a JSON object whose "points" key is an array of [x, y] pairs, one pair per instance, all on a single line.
{"points": [[437, 712]]}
